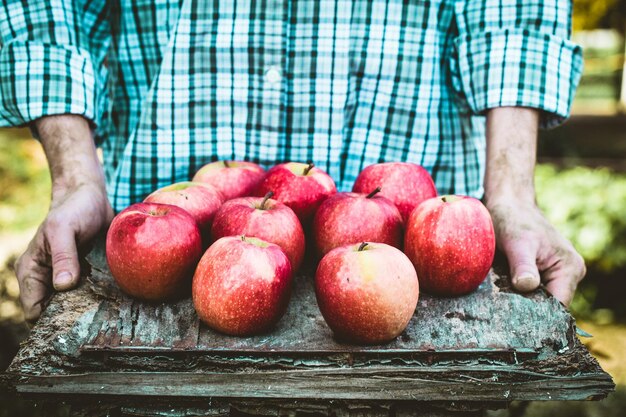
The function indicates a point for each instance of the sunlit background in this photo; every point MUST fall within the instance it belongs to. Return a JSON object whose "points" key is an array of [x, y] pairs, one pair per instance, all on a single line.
{"points": [[581, 186]]}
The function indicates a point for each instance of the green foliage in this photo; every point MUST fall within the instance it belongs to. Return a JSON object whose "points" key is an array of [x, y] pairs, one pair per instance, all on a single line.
{"points": [[24, 182], [589, 207]]}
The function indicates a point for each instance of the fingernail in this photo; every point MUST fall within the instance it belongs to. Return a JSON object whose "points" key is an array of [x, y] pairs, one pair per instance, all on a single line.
{"points": [[63, 280], [525, 282]]}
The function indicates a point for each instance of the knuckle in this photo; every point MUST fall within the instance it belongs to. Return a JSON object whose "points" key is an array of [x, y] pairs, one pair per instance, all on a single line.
{"points": [[62, 257], [57, 221], [51, 225], [577, 267], [25, 258], [22, 266], [32, 282]]}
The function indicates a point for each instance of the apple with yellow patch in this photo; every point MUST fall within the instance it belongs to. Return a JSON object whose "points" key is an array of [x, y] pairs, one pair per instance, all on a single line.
{"points": [[231, 178], [366, 292], [242, 285], [196, 198]]}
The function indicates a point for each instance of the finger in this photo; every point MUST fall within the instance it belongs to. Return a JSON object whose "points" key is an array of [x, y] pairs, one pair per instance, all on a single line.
{"points": [[562, 289], [64, 256], [33, 276], [522, 259], [563, 278]]}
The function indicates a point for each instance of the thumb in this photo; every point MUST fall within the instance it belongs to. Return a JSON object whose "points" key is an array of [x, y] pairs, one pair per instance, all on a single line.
{"points": [[522, 261], [64, 256]]}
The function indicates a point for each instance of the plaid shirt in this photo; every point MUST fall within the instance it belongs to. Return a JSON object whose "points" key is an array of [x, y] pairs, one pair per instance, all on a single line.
{"points": [[174, 84]]}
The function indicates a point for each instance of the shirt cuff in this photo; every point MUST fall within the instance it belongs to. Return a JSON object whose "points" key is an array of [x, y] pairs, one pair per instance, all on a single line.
{"points": [[521, 68], [38, 79]]}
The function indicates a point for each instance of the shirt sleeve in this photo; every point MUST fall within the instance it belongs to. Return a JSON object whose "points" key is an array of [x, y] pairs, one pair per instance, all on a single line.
{"points": [[518, 53], [52, 59]]}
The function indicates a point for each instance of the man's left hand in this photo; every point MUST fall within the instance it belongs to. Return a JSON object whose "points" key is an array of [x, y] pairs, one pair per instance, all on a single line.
{"points": [[536, 251]]}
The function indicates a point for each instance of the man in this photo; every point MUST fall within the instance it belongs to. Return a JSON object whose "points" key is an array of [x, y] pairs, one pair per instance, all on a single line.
{"points": [[166, 86]]}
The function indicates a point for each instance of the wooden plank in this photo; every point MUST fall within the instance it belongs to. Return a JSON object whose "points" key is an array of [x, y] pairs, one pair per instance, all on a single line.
{"points": [[471, 323], [375, 383], [490, 347]]}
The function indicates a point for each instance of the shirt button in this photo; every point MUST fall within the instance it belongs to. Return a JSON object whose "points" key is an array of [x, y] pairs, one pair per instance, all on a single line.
{"points": [[272, 75]]}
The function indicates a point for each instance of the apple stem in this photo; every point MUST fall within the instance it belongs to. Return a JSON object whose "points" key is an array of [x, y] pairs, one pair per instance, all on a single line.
{"points": [[267, 197], [308, 168], [362, 246], [226, 164], [373, 193], [243, 238]]}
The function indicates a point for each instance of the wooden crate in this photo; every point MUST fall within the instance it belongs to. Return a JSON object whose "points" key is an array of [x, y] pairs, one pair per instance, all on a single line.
{"points": [[101, 350]]}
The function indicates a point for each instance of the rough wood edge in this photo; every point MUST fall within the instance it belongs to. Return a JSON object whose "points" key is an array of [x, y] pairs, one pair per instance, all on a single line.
{"points": [[248, 407], [336, 384]]}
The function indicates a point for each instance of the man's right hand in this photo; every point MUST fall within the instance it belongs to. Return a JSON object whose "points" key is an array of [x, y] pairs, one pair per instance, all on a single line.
{"points": [[78, 211]]}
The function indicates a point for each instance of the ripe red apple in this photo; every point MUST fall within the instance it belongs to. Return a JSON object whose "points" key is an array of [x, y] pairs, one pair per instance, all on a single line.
{"points": [[451, 242], [242, 285], [302, 187], [196, 198], [404, 183], [366, 292], [152, 250], [346, 218], [265, 219], [231, 178]]}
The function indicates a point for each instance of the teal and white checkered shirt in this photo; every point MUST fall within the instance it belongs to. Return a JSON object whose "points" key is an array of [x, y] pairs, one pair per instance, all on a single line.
{"points": [[174, 84]]}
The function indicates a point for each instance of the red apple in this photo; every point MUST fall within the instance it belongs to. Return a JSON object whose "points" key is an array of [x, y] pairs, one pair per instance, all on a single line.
{"points": [[366, 292], [265, 219], [196, 198], [346, 218], [242, 285], [231, 178], [404, 183], [152, 250], [302, 187], [451, 242]]}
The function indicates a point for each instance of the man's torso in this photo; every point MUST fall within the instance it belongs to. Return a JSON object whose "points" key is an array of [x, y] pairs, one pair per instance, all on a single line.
{"points": [[340, 83]]}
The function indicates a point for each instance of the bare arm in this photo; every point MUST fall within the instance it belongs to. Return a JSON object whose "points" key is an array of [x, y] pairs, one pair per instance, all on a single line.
{"points": [[534, 248], [78, 210]]}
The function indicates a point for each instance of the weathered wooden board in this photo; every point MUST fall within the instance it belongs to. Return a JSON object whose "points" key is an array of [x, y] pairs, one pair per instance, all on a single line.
{"points": [[488, 320], [492, 346]]}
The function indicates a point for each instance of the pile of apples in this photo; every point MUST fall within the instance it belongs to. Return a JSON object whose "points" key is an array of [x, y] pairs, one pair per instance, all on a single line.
{"points": [[239, 233]]}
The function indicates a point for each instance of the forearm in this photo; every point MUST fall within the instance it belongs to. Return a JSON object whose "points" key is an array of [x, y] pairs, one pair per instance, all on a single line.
{"points": [[71, 153], [511, 154]]}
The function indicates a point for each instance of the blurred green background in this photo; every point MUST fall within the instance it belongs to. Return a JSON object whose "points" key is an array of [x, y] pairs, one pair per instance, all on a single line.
{"points": [[581, 186]]}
